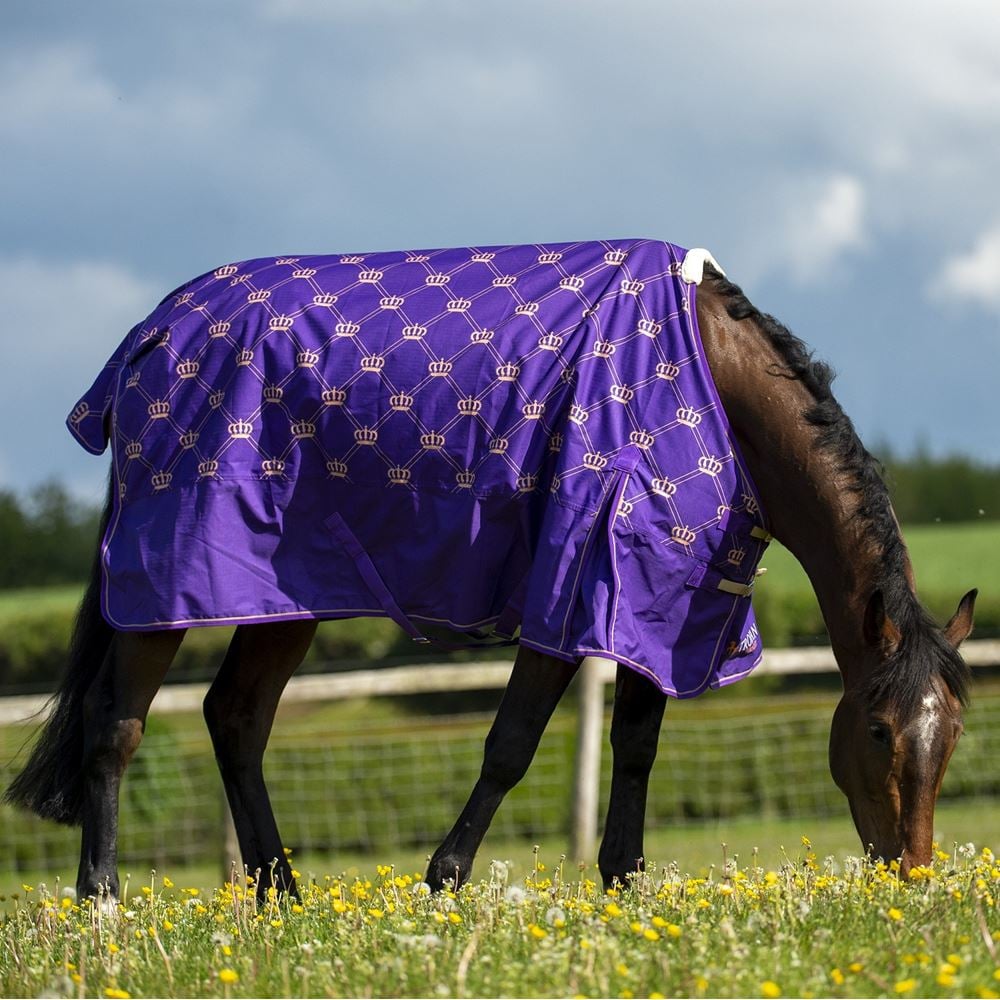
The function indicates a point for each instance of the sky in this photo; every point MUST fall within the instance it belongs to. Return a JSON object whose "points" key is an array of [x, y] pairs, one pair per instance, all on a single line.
{"points": [[840, 161]]}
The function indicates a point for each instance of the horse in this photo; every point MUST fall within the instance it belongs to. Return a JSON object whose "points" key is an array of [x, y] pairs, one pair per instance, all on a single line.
{"points": [[904, 682]]}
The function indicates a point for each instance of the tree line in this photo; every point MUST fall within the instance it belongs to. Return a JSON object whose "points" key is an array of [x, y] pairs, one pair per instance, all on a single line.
{"points": [[48, 537]]}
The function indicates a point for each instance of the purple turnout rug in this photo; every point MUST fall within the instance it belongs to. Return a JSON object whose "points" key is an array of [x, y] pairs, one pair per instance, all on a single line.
{"points": [[476, 439]]}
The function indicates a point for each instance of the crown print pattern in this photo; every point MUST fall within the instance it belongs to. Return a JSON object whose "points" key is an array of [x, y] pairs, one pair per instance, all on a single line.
{"points": [[531, 385]]}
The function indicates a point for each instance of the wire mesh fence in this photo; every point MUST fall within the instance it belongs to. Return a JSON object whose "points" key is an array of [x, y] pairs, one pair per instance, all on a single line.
{"points": [[380, 787]]}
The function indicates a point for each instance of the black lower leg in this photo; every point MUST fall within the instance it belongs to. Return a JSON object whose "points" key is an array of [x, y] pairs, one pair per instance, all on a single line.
{"points": [[635, 728], [535, 687]]}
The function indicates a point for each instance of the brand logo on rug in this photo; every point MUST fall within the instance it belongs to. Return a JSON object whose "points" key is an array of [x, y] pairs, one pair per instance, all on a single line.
{"points": [[527, 483], [366, 436], [571, 284], [208, 468], [161, 480], [188, 369], [391, 302], [158, 409], [499, 445], [688, 416], [259, 296], [664, 487], [400, 401], [615, 257], [303, 429], [218, 329], [399, 476], [347, 329], [746, 645], [307, 359], [641, 439], [622, 393], [304, 272], [578, 414], [533, 411], [189, 439], [280, 323], [504, 281], [414, 331], [133, 449], [334, 397], [370, 276], [682, 535], [372, 363], [508, 372], [481, 336], [466, 479], [459, 305], [469, 406], [667, 370], [240, 429], [604, 348], [550, 341], [594, 460], [272, 467], [649, 327], [432, 441], [439, 368], [549, 258], [337, 468], [225, 272], [273, 393], [437, 280], [324, 299], [244, 357], [710, 465]]}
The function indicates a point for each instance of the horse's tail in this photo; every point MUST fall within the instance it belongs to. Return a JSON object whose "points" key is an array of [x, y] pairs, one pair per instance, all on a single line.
{"points": [[50, 783]]}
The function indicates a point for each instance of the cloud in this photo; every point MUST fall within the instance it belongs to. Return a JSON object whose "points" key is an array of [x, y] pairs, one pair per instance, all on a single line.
{"points": [[974, 275]]}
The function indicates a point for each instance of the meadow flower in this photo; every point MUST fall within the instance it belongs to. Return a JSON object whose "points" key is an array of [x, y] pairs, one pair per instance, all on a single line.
{"points": [[229, 975], [769, 987], [905, 985]]}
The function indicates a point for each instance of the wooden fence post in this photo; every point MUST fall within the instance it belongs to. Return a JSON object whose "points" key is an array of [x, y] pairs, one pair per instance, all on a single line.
{"points": [[587, 763]]}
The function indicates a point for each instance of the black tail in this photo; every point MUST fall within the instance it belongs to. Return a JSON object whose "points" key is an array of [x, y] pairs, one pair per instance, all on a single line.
{"points": [[50, 784]]}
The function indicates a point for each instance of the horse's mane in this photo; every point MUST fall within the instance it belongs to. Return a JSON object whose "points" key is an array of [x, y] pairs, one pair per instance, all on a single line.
{"points": [[923, 651]]}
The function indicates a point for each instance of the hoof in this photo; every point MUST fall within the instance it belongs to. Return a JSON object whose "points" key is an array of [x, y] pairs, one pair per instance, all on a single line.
{"points": [[446, 870]]}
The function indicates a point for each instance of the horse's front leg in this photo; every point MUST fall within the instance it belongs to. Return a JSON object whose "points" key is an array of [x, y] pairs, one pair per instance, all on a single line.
{"points": [[533, 691], [239, 710], [115, 709], [635, 729]]}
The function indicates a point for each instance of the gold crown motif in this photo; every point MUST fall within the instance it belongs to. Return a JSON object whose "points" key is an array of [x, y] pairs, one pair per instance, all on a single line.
{"points": [[668, 370], [218, 329], [555, 484], [466, 478], [262, 295], [508, 372], [324, 299], [432, 441], [573, 283], [280, 323], [469, 406], [303, 429], [482, 258], [306, 359], [498, 445], [189, 439], [615, 257], [188, 369], [240, 429], [365, 435], [622, 393], [749, 504], [550, 341], [556, 441], [244, 357], [439, 368], [624, 507], [240, 279], [352, 259], [399, 476], [417, 258], [132, 381], [184, 299], [632, 287], [400, 401], [133, 449], [372, 363], [273, 393], [549, 258], [527, 483], [533, 411], [567, 374], [225, 272], [272, 467], [688, 416], [682, 535], [649, 327], [391, 302], [594, 460], [80, 411], [161, 480], [710, 465], [664, 487], [578, 414], [414, 331], [481, 336], [735, 555], [217, 399], [304, 272], [641, 439], [121, 490], [346, 329], [337, 468], [208, 468], [504, 281], [437, 280], [527, 309], [334, 397], [158, 409], [370, 276], [459, 305], [286, 260]]}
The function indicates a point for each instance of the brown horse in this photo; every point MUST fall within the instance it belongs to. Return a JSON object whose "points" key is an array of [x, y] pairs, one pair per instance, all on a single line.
{"points": [[893, 731]]}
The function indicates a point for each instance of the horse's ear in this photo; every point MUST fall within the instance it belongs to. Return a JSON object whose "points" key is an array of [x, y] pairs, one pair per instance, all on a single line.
{"points": [[879, 628], [958, 629]]}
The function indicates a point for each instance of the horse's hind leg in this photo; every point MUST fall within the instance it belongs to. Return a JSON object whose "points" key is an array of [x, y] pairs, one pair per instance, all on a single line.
{"points": [[533, 691], [635, 729], [239, 710], [115, 709]]}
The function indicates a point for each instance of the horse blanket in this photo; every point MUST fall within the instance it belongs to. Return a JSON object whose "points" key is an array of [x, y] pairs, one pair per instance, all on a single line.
{"points": [[475, 439]]}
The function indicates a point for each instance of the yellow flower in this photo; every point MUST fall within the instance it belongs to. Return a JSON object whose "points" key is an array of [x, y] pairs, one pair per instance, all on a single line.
{"points": [[905, 985], [538, 932], [613, 910], [298, 908], [945, 979], [656, 996], [837, 976], [167, 925], [376, 913], [770, 988], [674, 931], [167, 884], [806, 842], [955, 960], [113, 948], [895, 914], [229, 975], [985, 993], [622, 969], [650, 935], [659, 922], [116, 994], [454, 918], [701, 983], [855, 967]]}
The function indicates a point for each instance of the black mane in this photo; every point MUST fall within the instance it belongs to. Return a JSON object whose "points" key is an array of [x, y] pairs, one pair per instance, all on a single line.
{"points": [[923, 650]]}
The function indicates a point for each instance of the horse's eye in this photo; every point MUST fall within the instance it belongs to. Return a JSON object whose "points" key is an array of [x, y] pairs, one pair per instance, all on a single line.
{"points": [[880, 733]]}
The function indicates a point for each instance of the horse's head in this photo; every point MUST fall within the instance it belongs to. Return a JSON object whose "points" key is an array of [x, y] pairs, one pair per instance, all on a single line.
{"points": [[896, 727]]}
